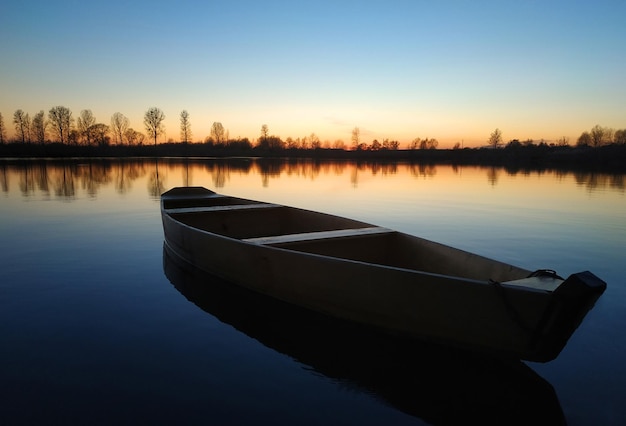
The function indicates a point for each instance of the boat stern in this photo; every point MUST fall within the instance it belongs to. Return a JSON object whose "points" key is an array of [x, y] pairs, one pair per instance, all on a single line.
{"points": [[571, 302]]}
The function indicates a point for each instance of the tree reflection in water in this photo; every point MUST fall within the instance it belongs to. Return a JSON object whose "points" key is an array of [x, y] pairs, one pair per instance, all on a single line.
{"points": [[156, 182], [63, 178]]}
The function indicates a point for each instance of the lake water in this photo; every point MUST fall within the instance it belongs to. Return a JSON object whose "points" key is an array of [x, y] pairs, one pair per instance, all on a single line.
{"points": [[99, 326]]}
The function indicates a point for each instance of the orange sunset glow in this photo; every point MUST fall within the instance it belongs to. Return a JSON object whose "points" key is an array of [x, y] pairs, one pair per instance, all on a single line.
{"points": [[398, 71]]}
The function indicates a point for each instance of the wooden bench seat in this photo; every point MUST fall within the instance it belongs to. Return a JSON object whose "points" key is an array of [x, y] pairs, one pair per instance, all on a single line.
{"points": [[321, 235], [207, 209]]}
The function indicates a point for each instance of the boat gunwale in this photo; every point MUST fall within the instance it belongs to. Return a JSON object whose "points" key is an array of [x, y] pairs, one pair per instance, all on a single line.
{"points": [[220, 208], [358, 262]]}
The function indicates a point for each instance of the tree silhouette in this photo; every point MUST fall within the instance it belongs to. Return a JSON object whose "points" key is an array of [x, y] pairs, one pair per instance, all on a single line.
{"points": [[84, 122], [601, 135], [119, 125], [315, 142], [99, 132], [3, 131], [263, 143], [339, 144], [495, 139], [39, 127], [185, 127], [584, 139], [620, 136], [61, 120], [21, 120], [562, 141], [218, 133], [356, 138], [427, 143], [134, 137], [153, 120]]}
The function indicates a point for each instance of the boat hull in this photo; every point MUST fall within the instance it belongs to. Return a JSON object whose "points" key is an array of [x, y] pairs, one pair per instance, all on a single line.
{"points": [[495, 316]]}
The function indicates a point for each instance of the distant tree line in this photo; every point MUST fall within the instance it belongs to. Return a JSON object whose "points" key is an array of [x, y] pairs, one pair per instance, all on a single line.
{"points": [[600, 136], [59, 126], [596, 137]]}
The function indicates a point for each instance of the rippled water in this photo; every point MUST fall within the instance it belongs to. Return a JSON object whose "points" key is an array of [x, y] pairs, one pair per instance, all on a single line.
{"points": [[99, 326]]}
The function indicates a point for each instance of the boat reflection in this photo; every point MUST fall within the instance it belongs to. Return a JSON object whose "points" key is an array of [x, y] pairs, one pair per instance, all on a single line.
{"points": [[438, 385]]}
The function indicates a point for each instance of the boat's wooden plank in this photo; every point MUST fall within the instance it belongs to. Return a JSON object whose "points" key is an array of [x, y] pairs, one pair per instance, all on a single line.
{"points": [[310, 236], [194, 193], [538, 283], [207, 209]]}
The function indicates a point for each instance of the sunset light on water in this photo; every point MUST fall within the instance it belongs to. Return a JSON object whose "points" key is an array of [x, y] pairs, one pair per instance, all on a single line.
{"points": [[90, 308]]}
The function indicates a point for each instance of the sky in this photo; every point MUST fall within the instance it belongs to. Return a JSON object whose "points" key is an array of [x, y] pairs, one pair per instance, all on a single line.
{"points": [[450, 70]]}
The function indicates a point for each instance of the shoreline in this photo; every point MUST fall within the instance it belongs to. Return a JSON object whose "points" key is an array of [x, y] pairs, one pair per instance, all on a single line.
{"points": [[608, 158]]}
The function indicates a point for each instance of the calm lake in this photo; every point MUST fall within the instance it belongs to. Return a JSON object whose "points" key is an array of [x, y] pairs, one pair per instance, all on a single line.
{"points": [[100, 326]]}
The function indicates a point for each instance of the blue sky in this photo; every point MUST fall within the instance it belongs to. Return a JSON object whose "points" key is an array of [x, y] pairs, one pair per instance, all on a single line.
{"points": [[452, 70]]}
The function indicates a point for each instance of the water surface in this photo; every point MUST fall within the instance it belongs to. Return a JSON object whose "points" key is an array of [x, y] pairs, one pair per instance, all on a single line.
{"points": [[99, 325]]}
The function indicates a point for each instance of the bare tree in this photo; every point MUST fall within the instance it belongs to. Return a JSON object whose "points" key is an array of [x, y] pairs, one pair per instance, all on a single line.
{"points": [[84, 123], [134, 137], [597, 135], [609, 135], [266, 141], [22, 125], [274, 143], [584, 139], [3, 130], [339, 144], [291, 143], [619, 137], [265, 132], [562, 141], [315, 142], [415, 143], [28, 128], [39, 127], [153, 120], [99, 132], [185, 127], [391, 145], [304, 142], [495, 139], [87, 136], [356, 137], [61, 120], [140, 138], [130, 136], [217, 133], [601, 135], [73, 138], [119, 125], [427, 143]]}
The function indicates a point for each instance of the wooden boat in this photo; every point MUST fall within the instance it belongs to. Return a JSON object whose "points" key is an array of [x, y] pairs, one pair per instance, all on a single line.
{"points": [[376, 276]]}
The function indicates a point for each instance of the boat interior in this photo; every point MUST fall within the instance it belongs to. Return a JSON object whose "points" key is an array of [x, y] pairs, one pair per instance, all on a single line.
{"points": [[322, 234]]}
